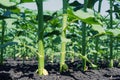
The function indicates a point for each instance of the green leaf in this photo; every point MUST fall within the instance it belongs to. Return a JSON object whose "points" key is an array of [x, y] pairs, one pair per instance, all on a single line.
{"points": [[84, 15], [16, 1], [17, 10], [26, 39], [17, 40], [64, 67], [114, 32], [57, 40], [7, 3], [87, 17], [98, 28], [66, 40], [8, 43]]}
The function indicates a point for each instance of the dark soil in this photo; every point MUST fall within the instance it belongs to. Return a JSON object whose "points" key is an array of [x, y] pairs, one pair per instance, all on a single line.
{"points": [[16, 70]]}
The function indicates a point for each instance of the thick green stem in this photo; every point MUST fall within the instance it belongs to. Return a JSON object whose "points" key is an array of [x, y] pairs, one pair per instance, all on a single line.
{"points": [[40, 37], [63, 36], [2, 41], [84, 38], [41, 58], [111, 37], [63, 51], [84, 44]]}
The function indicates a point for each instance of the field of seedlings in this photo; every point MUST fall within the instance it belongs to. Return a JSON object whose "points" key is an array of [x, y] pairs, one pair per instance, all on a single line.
{"points": [[76, 42]]}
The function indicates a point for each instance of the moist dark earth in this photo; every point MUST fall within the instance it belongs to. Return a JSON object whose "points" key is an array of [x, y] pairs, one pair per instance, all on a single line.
{"points": [[17, 70]]}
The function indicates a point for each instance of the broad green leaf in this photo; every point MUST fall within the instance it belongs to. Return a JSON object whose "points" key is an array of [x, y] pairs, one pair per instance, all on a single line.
{"points": [[16, 1], [71, 16], [98, 28], [114, 32], [84, 15], [87, 17], [7, 3], [17, 10]]}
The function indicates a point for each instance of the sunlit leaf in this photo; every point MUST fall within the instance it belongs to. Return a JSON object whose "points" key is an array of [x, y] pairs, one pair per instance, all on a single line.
{"points": [[26, 39], [17, 40], [98, 28], [87, 17], [7, 3], [65, 40], [84, 15], [114, 32]]}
